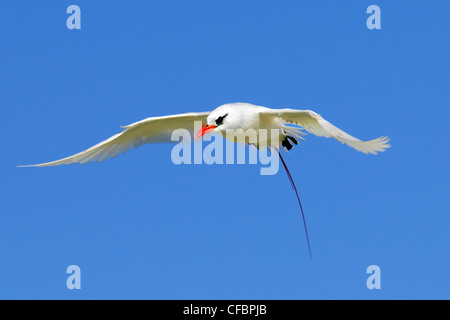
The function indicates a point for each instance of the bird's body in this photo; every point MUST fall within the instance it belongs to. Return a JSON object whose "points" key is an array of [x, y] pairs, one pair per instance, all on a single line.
{"points": [[252, 119], [238, 118]]}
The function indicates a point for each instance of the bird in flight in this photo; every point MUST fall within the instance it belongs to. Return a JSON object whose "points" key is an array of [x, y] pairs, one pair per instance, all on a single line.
{"points": [[232, 116]]}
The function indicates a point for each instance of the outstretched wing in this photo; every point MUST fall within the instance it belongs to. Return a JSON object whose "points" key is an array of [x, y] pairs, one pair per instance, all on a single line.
{"points": [[150, 130], [315, 124]]}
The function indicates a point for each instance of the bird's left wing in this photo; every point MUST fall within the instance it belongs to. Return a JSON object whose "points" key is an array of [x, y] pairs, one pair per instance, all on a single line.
{"points": [[315, 124], [150, 130]]}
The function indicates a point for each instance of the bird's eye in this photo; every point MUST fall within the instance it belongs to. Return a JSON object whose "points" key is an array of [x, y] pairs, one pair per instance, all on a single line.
{"points": [[219, 120]]}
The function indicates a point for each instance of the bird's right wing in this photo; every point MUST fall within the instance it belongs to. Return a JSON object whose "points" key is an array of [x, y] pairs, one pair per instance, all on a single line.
{"points": [[150, 130], [315, 124]]}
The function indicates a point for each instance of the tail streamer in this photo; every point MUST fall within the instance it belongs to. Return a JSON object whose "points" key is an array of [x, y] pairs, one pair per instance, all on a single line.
{"points": [[299, 202]]}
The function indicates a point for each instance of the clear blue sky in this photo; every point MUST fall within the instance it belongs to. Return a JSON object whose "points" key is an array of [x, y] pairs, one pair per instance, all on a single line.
{"points": [[141, 227]]}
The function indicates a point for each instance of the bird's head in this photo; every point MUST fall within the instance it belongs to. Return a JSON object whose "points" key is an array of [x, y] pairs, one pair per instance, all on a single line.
{"points": [[218, 121]]}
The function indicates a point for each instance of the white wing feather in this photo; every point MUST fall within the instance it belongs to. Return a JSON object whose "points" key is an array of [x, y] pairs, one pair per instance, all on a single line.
{"points": [[150, 130], [315, 124]]}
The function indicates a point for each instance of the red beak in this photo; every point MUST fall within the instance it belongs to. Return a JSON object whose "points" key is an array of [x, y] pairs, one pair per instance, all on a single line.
{"points": [[204, 130]]}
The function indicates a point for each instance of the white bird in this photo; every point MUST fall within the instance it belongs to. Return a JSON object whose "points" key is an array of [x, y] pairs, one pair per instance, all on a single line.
{"points": [[231, 116]]}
